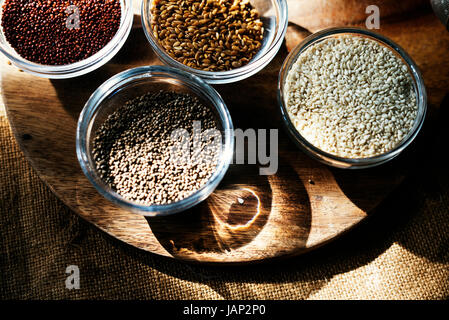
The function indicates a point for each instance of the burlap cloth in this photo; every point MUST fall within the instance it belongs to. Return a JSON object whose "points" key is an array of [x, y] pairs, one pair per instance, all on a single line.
{"points": [[399, 253]]}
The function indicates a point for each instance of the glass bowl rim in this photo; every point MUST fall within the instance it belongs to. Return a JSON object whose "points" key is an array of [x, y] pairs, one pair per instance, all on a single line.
{"points": [[220, 76], [135, 74], [76, 68], [420, 90]]}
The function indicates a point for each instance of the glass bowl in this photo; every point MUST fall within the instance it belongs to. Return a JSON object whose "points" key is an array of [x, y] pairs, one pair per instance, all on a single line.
{"points": [[133, 83], [333, 160], [78, 68], [273, 14]]}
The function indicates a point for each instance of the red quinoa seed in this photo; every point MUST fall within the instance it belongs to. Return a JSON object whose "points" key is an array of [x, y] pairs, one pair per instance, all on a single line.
{"points": [[37, 29]]}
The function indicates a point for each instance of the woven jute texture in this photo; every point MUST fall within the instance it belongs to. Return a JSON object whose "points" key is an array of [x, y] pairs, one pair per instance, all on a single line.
{"points": [[401, 252]]}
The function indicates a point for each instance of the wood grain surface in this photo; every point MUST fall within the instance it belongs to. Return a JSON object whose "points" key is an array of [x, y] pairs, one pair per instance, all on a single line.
{"points": [[315, 15], [303, 206]]}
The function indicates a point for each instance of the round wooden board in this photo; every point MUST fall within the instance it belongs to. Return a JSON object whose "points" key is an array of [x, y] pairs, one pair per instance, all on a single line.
{"points": [[303, 206]]}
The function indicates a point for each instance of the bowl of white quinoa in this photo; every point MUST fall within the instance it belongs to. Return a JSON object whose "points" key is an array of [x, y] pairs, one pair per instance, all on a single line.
{"points": [[351, 98]]}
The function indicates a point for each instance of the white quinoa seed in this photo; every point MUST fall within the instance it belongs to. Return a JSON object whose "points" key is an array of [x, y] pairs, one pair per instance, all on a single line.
{"points": [[351, 97]]}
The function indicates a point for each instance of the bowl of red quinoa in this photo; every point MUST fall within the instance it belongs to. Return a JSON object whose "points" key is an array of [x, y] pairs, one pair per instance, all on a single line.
{"points": [[220, 41], [351, 98], [130, 130], [63, 39]]}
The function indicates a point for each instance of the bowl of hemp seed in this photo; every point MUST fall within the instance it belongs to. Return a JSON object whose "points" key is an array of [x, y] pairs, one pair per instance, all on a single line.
{"points": [[155, 140], [221, 41], [351, 98]]}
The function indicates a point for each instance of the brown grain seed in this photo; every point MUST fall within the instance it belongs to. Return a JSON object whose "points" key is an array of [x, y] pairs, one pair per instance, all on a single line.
{"points": [[202, 31]]}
